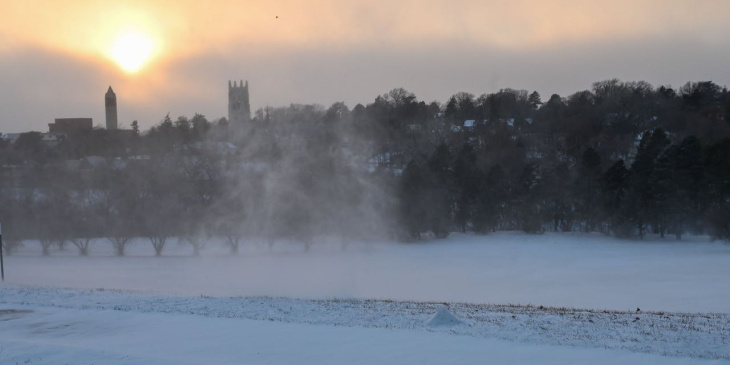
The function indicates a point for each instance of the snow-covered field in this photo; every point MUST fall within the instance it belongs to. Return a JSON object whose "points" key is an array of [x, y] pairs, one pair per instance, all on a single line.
{"points": [[290, 306]]}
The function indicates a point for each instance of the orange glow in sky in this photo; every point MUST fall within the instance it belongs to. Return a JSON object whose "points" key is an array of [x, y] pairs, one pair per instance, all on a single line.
{"points": [[131, 50], [177, 55], [192, 27]]}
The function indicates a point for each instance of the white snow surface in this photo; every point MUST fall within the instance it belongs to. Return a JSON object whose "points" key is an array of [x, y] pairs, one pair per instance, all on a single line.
{"points": [[552, 298], [49, 325], [559, 270], [89, 336], [444, 318]]}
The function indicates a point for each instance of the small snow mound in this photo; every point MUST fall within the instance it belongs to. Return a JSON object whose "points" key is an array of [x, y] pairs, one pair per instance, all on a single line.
{"points": [[444, 318]]}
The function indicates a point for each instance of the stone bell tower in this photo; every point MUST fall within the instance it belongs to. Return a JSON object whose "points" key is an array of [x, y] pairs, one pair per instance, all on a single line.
{"points": [[239, 109], [110, 103]]}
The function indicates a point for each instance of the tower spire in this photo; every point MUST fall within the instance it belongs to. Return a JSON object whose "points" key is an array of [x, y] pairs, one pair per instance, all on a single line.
{"points": [[110, 104], [239, 109]]}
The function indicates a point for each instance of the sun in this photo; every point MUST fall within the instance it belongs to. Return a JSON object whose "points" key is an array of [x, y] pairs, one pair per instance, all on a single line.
{"points": [[131, 50]]}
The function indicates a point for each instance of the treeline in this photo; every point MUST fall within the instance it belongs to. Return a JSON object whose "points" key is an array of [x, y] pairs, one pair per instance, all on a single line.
{"points": [[193, 180], [666, 188], [623, 158]]}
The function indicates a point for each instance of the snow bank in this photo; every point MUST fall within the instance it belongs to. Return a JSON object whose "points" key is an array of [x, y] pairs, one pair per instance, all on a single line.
{"points": [[661, 333], [68, 336], [443, 318]]}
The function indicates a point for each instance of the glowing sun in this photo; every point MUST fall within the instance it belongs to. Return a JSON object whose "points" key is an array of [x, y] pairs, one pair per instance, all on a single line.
{"points": [[131, 50]]}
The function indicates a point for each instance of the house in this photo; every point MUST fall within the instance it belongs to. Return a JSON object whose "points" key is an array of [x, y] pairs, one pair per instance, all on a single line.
{"points": [[85, 163], [70, 125], [10, 137], [50, 140]]}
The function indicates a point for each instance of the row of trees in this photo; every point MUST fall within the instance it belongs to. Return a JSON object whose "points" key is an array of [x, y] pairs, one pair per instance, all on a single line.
{"points": [[667, 188], [272, 184], [623, 158]]}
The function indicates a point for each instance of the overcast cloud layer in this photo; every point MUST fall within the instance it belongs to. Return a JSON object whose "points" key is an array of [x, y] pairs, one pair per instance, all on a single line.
{"points": [[53, 59]]}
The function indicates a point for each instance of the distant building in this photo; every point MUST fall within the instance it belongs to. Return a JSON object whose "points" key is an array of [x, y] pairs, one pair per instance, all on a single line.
{"points": [[10, 137], [239, 109], [70, 125], [12, 175], [50, 139], [110, 103], [85, 166]]}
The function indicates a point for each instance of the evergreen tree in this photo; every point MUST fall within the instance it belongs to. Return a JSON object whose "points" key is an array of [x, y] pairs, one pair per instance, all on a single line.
{"points": [[492, 196], [414, 200], [440, 188], [641, 198], [534, 100], [467, 179], [526, 199], [717, 164], [664, 191], [588, 190], [691, 183], [555, 201], [615, 190]]}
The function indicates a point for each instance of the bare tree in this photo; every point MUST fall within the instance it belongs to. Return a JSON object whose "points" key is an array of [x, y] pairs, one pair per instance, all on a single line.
{"points": [[119, 243], [82, 243], [158, 243], [85, 221], [9, 245], [46, 245], [196, 240], [160, 217]]}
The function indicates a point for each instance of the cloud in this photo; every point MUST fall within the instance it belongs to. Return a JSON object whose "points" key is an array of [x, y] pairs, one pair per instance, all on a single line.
{"points": [[322, 51], [183, 28], [35, 90]]}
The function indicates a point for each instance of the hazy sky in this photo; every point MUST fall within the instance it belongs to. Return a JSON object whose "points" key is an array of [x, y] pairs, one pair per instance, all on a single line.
{"points": [[57, 58]]}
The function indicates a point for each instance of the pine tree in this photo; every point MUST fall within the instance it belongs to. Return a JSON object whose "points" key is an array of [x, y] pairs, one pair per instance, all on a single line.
{"points": [[718, 176], [663, 189], [527, 209], [440, 196], [467, 178], [691, 182], [615, 186], [490, 200], [534, 100], [641, 200], [587, 190], [413, 200]]}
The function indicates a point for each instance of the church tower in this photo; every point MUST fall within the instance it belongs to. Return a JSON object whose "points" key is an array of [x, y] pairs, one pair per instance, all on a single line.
{"points": [[110, 102], [239, 109]]}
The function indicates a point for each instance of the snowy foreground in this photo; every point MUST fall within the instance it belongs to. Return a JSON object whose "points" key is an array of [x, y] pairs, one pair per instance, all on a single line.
{"points": [[69, 319], [231, 310]]}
